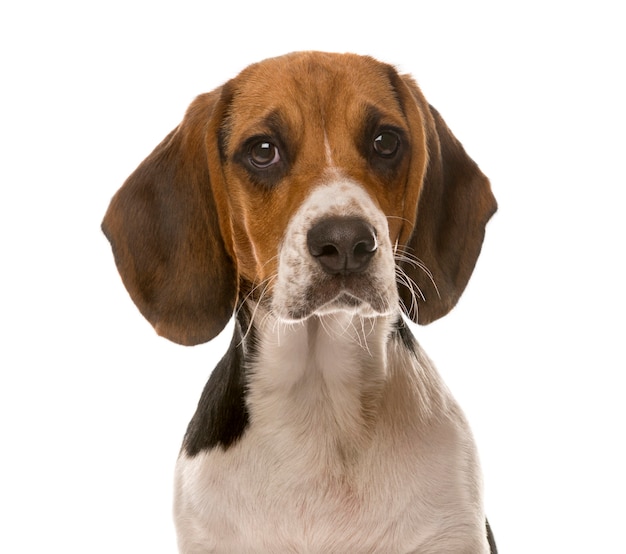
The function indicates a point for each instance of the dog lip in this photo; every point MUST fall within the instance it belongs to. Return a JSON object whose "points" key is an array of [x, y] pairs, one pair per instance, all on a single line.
{"points": [[348, 299], [341, 299], [347, 302], [348, 289]]}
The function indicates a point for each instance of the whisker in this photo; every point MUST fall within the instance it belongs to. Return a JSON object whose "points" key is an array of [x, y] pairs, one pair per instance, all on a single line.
{"points": [[358, 338], [403, 278], [325, 328], [401, 255], [403, 219], [411, 286], [349, 324], [365, 335], [264, 283], [403, 306], [257, 303], [354, 336], [256, 285]]}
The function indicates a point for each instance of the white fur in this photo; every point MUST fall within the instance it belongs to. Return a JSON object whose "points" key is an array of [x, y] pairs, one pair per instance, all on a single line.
{"points": [[298, 272], [354, 443]]}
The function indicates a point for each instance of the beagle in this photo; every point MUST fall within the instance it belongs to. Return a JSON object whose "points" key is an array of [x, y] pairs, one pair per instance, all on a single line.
{"points": [[316, 197]]}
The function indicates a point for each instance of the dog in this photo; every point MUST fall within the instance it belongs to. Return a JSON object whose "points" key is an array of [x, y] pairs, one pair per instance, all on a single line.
{"points": [[316, 198]]}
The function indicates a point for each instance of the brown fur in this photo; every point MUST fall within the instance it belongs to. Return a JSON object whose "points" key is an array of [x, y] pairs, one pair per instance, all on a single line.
{"points": [[190, 228]]}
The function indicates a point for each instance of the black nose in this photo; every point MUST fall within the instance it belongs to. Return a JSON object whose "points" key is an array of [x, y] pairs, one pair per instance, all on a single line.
{"points": [[342, 245]]}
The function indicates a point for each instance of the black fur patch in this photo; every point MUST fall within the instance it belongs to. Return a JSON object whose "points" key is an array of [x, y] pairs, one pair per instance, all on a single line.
{"points": [[492, 542], [403, 333], [222, 416]]}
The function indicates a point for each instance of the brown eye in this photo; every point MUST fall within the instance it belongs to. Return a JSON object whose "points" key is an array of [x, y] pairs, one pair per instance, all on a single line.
{"points": [[386, 144], [263, 154]]}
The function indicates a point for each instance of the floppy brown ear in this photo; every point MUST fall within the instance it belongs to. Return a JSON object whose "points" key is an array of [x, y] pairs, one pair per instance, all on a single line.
{"points": [[166, 240], [455, 203]]}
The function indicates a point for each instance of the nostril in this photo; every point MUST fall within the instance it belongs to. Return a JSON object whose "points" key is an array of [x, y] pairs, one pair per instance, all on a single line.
{"points": [[342, 245], [328, 250], [365, 248]]}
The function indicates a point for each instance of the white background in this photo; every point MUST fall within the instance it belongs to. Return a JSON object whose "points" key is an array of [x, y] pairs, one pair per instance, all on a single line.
{"points": [[93, 405]]}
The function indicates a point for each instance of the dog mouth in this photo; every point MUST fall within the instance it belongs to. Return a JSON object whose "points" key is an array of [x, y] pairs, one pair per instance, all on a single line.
{"points": [[343, 301], [348, 300], [339, 295]]}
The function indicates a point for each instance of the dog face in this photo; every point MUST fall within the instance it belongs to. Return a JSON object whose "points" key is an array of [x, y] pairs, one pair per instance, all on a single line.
{"points": [[322, 122], [327, 154], [309, 181]]}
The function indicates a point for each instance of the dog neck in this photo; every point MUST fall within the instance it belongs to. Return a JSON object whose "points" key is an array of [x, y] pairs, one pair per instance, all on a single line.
{"points": [[322, 376]]}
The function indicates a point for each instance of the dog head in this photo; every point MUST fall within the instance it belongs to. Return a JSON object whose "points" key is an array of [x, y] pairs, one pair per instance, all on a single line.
{"points": [[312, 182]]}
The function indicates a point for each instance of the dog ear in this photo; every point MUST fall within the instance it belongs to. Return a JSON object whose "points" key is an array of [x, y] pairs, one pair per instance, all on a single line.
{"points": [[454, 204], [165, 234]]}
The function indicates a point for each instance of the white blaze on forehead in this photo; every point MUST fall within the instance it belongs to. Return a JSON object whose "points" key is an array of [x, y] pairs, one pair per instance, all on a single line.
{"points": [[328, 150], [340, 197]]}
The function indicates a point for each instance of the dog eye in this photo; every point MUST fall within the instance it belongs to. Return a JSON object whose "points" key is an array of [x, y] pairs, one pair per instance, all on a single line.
{"points": [[263, 154], [386, 144]]}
